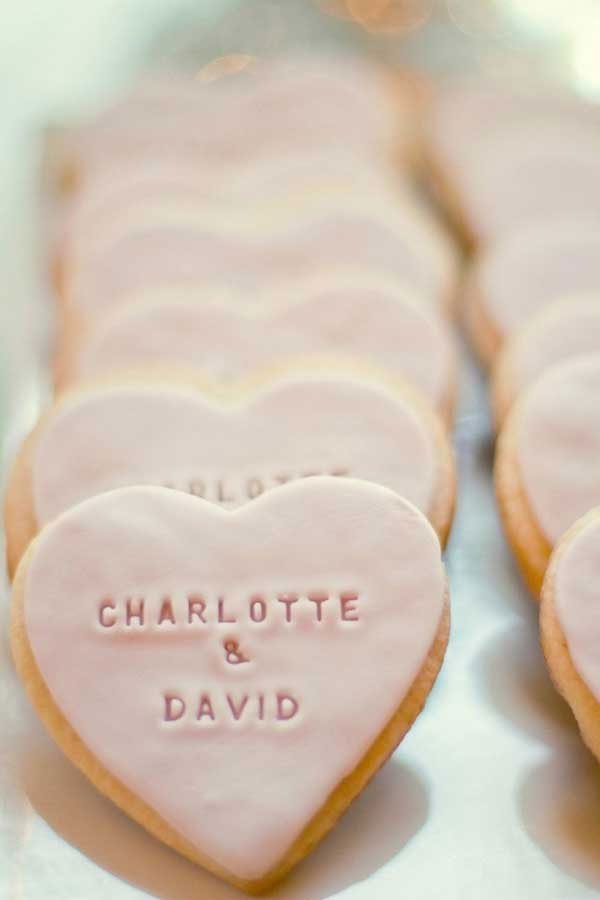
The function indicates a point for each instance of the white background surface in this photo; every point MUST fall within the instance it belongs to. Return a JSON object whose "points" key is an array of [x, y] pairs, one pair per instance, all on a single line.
{"points": [[490, 797]]}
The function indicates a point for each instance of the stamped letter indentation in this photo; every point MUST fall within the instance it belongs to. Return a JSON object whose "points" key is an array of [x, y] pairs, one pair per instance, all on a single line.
{"points": [[207, 614]]}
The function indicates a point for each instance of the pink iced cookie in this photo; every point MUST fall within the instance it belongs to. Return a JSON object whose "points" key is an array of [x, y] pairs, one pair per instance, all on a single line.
{"points": [[558, 444], [276, 105], [521, 274], [503, 156], [400, 242], [241, 675], [547, 471], [531, 173], [568, 328], [139, 194], [390, 330], [463, 111], [570, 623], [170, 434]]}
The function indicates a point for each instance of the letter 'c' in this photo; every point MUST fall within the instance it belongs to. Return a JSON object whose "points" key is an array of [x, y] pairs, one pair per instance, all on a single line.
{"points": [[107, 621]]}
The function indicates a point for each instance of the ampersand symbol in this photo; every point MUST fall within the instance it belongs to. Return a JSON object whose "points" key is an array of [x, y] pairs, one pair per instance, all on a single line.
{"points": [[233, 654]]}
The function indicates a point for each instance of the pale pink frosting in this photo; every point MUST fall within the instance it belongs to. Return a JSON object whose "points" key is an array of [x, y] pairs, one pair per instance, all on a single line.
{"points": [[576, 601], [171, 436], [465, 112], [139, 190], [531, 172], [390, 330], [278, 104], [533, 267], [569, 327], [399, 242], [240, 791], [558, 444]]}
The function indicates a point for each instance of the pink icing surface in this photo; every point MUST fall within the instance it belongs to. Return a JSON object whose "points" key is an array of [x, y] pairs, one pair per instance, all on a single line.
{"points": [[577, 602], [530, 173], [142, 189], [390, 330], [558, 444], [297, 88], [387, 240], [570, 327], [280, 104], [464, 113], [241, 791], [539, 264], [171, 436]]}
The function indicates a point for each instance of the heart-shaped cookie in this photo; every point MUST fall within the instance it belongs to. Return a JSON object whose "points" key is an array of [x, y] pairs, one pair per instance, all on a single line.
{"points": [[146, 186], [537, 160], [570, 623], [565, 329], [533, 172], [229, 451], [224, 121], [524, 271], [547, 468], [389, 329], [196, 248], [232, 679]]}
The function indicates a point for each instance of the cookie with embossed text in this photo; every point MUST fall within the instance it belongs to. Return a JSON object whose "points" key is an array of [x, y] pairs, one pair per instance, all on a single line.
{"points": [[230, 446], [242, 674]]}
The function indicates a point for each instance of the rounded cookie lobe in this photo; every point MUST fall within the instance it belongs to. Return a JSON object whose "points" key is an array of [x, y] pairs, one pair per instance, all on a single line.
{"points": [[503, 154], [527, 270], [557, 444], [171, 436], [546, 470], [399, 241], [568, 328], [464, 111], [130, 192], [569, 623], [576, 599], [234, 667], [531, 173], [386, 328], [263, 109]]}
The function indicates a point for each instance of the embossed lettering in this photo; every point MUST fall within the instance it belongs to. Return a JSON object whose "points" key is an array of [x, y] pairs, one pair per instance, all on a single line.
{"points": [[197, 487], [287, 707], [318, 598], [288, 600], [205, 708], [227, 707], [258, 609], [237, 709], [166, 613], [174, 707], [196, 609], [134, 612], [222, 494], [231, 488], [106, 619], [233, 655], [221, 611], [348, 609], [222, 614], [254, 488]]}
